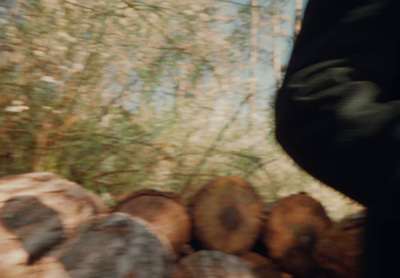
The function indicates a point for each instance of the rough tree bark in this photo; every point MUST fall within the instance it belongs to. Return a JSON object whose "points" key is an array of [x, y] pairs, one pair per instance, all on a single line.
{"points": [[37, 211], [227, 215], [299, 9], [212, 264], [116, 245]]}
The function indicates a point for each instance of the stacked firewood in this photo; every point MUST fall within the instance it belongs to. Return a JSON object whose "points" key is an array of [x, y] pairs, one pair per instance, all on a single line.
{"points": [[51, 227]]}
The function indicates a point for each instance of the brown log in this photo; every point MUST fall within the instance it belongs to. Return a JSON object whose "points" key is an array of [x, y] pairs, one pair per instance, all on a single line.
{"points": [[227, 215], [164, 210], [339, 250], [38, 210], [261, 266], [293, 227], [212, 264]]}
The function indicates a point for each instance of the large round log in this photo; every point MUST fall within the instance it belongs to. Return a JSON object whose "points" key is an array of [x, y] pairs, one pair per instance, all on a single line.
{"points": [[164, 210], [38, 210], [227, 215], [116, 245], [293, 227], [212, 264], [339, 250]]}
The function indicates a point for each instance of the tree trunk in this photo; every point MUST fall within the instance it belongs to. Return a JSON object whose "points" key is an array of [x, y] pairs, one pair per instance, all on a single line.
{"points": [[212, 264], [297, 21], [339, 250], [41, 150], [293, 227], [276, 28], [253, 58], [37, 211], [164, 211], [227, 215]]}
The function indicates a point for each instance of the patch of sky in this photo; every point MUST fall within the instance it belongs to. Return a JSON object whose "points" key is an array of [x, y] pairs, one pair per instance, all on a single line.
{"points": [[115, 88], [163, 95]]}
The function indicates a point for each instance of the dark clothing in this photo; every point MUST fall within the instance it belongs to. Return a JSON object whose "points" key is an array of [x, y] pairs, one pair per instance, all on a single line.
{"points": [[338, 111]]}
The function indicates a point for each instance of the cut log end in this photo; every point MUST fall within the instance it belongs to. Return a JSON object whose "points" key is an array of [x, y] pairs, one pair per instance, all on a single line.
{"points": [[230, 218], [227, 215], [164, 211], [293, 227]]}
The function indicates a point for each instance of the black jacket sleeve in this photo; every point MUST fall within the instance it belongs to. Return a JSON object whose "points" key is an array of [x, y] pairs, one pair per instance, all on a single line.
{"points": [[338, 111]]}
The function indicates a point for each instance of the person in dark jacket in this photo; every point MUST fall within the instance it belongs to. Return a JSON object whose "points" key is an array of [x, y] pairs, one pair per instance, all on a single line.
{"points": [[338, 113]]}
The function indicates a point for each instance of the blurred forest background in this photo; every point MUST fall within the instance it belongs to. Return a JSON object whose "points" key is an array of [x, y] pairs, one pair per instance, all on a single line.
{"points": [[120, 95]]}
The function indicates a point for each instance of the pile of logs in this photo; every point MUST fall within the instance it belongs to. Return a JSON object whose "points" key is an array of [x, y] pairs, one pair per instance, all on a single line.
{"points": [[51, 227]]}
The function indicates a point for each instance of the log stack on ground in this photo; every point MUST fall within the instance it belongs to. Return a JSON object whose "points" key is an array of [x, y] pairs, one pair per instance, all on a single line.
{"points": [[212, 264], [294, 226], [37, 211], [227, 215], [164, 210], [51, 227]]}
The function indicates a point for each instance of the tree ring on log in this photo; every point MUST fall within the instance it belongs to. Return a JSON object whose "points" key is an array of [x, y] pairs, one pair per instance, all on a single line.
{"points": [[227, 215], [292, 230], [230, 218], [164, 210]]}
